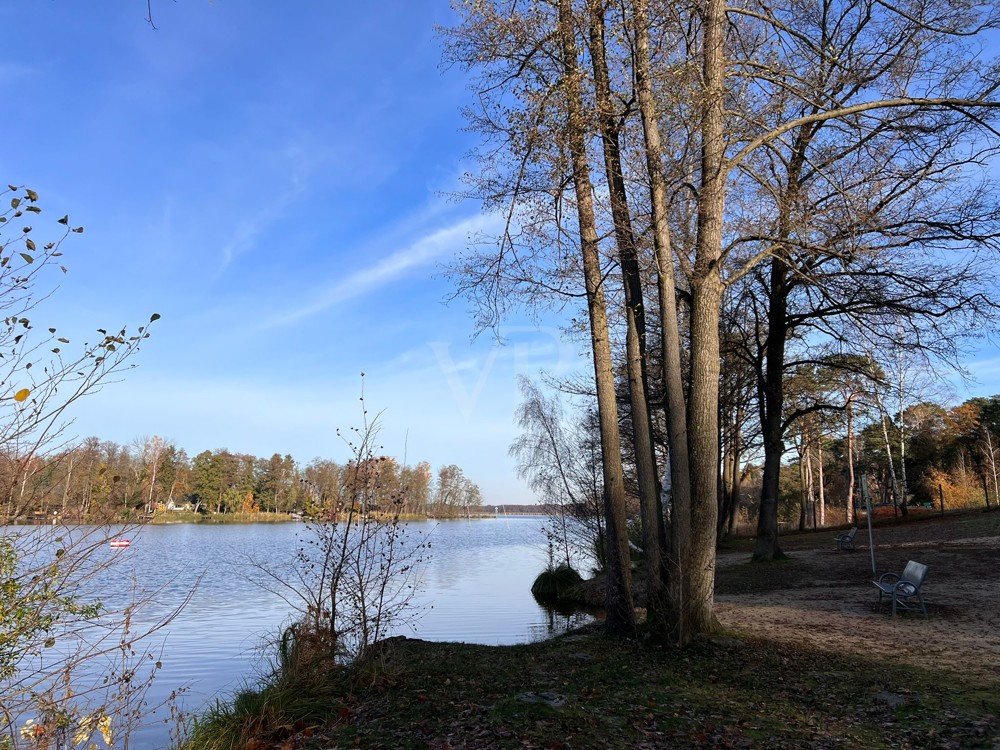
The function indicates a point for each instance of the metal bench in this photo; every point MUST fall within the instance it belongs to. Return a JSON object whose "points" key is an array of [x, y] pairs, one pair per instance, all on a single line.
{"points": [[903, 590], [845, 541]]}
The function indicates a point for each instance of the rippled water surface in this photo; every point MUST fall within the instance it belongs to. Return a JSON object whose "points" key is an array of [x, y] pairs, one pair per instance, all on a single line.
{"points": [[476, 589]]}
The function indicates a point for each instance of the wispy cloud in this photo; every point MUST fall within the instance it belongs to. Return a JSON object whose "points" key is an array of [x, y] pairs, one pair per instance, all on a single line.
{"points": [[245, 235], [11, 72], [428, 248]]}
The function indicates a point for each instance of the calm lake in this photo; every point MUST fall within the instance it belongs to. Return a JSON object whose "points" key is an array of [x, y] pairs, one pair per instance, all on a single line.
{"points": [[476, 588]]}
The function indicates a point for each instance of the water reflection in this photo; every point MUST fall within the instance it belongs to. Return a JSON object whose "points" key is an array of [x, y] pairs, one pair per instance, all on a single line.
{"points": [[558, 620], [475, 588]]}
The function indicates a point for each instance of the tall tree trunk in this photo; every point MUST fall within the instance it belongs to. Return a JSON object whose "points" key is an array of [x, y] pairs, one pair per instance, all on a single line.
{"points": [[727, 474], [704, 416], [996, 474], [810, 478], [676, 408], [734, 502], [822, 490], [69, 479], [888, 453], [803, 482], [903, 487], [706, 301], [781, 283], [737, 449], [152, 486], [731, 472], [996, 483], [991, 461], [850, 458], [772, 403], [635, 332], [620, 614]]}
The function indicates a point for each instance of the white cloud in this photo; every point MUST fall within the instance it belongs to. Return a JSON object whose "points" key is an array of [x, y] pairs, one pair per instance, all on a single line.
{"points": [[423, 251]]}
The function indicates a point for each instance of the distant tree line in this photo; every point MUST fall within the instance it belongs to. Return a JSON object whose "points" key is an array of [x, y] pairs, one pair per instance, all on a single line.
{"points": [[843, 424], [940, 455], [102, 479]]}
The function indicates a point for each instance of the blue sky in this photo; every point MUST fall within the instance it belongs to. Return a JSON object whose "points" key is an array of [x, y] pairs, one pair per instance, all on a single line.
{"points": [[274, 183]]}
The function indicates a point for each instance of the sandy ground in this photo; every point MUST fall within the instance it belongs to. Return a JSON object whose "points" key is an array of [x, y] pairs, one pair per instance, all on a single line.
{"points": [[826, 599]]}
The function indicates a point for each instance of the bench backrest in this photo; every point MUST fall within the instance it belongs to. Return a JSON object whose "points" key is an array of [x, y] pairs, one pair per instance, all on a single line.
{"points": [[852, 533], [914, 573]]}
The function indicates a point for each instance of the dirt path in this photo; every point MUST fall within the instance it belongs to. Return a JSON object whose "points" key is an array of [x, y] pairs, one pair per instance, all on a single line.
{"points": [[825, 598]]}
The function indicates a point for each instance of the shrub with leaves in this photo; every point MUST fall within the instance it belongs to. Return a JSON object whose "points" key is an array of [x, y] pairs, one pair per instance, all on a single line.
{"points": [[73, 672]]}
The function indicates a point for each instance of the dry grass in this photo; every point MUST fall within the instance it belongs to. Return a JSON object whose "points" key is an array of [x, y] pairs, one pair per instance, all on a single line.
{"points": [[807, 664]]}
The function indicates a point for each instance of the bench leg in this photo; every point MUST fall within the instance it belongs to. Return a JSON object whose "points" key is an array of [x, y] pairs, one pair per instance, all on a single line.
{"points": [[905, 605]]}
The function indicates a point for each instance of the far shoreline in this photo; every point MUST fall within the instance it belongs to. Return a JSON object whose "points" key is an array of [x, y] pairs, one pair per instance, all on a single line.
{"points": [[173, 518]]}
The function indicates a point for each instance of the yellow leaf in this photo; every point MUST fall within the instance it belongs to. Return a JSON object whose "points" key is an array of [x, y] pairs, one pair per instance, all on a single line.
{"points": [[21, 395]]}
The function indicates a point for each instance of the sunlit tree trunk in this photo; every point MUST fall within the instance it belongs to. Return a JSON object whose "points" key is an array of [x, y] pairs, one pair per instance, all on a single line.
{"points": [[706, 305], [635, 329], [850, 459], [904, 487], [66, 486], [675, 406], [620, 616], [803, 481], [888, 452], [820, 488]]}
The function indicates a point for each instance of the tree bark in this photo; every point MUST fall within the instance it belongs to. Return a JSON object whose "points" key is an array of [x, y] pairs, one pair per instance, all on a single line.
{"points": [[619, 610], [706, 301], [803, 481], [821, 489], [888, 453], [635, 331], [731, 478], [772, 402], [850, 459], [903, 486], [727, 472], [675, 405]]}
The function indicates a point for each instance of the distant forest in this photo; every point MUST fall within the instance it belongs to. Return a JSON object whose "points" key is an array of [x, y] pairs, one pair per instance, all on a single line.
{"points": [[921, 453], [101, 479]]}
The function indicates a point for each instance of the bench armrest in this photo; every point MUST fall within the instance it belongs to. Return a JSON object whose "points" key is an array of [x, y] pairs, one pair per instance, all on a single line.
{"points": [[905, 588], [888, 578]]}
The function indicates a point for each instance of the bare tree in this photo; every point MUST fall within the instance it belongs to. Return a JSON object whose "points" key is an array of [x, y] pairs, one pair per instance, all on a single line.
{"points": [[561, 461], [355, 574], [767, 112]]}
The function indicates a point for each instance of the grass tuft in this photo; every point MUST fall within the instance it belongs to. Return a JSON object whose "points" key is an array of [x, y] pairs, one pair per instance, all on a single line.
{"points": [[306, 685], [552, 583]]}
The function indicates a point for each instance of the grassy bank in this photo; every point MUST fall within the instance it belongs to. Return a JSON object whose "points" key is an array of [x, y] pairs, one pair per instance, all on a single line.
{"points": [[586, 690], [812, 667]]}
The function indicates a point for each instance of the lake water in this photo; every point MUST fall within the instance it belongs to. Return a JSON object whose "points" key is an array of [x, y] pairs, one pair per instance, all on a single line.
{"points": [[476, 588]]}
